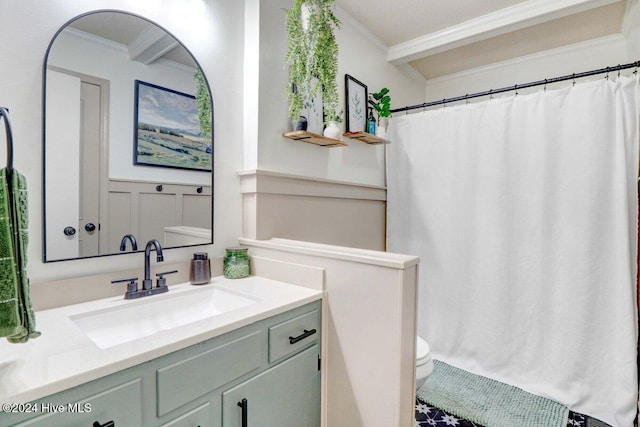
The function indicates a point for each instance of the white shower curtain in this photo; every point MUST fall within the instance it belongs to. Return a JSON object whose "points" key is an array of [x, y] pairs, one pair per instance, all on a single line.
{"points": [[523, 211]]}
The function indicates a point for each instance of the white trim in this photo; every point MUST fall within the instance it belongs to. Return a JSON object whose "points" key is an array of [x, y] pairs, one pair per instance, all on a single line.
{"points": [[363, 256], [119, 47], [509, 19], [150, 45], [262, 172], [586, 45]]}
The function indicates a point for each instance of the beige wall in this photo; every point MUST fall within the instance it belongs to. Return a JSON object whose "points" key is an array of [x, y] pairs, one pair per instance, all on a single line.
{"points": [[314, 210], [584, 56]]}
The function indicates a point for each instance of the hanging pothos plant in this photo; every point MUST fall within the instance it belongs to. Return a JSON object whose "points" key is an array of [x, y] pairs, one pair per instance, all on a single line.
{"points": [[312, 55], [204, 104]]}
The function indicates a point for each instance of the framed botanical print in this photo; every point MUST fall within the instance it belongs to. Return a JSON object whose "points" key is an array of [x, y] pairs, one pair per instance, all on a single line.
{"points": [[355, 104]]}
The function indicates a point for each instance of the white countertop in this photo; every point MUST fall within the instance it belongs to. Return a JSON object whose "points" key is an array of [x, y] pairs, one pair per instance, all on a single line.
{"points": [[64, 357]]}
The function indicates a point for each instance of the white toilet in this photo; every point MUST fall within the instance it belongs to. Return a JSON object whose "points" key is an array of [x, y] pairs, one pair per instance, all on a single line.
{"points": [[424, 363]]}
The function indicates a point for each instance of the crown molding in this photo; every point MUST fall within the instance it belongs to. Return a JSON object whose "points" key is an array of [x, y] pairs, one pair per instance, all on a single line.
{"points": [[510, 19]]}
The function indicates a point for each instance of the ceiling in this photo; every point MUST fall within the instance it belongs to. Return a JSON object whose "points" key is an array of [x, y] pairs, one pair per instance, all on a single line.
{"points": [[144, 41], [439, 37]]}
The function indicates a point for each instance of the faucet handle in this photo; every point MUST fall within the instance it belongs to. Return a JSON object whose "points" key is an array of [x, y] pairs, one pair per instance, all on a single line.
{"points": [[162, 281], [132, 286]]}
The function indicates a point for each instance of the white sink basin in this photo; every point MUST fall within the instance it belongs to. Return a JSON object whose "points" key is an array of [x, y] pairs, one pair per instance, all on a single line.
{"points": [[149, 315]]}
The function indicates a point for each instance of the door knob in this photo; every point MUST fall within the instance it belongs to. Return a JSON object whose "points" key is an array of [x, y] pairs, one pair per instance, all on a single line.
{"points": [[69, 231], [89, 227]]}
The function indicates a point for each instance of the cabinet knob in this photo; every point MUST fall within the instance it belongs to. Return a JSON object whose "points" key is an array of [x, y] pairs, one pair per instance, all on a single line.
{"points": [[69, 231], [90, 227]]}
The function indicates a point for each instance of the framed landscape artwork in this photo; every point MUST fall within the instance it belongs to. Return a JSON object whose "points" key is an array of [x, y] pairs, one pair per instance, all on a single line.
{"points": [[356, 104], [167, 130]]}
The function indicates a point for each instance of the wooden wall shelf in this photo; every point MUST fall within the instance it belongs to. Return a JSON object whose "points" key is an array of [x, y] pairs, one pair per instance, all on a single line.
{"points": [[366, 138], [314, 138]]}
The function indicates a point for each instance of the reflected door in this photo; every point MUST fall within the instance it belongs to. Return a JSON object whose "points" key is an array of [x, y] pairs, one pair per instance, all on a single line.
{"points": [[63, 133], [90, 130]]}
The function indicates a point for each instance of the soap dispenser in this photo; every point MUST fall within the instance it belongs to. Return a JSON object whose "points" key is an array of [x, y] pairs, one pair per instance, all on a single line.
{"points": [[200, 271]]}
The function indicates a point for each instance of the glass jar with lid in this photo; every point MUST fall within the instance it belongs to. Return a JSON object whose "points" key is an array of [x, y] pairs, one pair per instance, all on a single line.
{"points": [[236, 263]]}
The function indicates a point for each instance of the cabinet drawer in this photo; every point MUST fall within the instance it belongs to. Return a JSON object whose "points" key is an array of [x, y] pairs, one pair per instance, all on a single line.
{"points": [[193, 377], [121, 404], [198, 417], [293, 335]]}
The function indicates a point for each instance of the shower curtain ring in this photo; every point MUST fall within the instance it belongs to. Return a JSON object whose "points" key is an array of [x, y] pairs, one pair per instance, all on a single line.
{"points": [[573, 77], [515, 87], [490, 94], [545, 85], [466, 99], [607, 76], [619, 68]]}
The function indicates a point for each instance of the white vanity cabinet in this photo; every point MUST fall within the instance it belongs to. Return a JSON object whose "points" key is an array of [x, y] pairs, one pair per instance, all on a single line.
{"points": [[272, 365]]}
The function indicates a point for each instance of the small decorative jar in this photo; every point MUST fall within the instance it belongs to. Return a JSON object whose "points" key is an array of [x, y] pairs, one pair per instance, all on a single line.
{"points": [[236, 263]]}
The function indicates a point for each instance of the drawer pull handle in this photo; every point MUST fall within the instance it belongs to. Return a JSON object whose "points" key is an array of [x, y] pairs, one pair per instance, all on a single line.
{"points": [[245, 406], [305, 334], [107, 424]]}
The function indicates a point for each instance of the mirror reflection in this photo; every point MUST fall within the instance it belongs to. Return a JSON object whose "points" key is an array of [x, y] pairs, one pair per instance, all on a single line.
{"points": [[127, 140]]}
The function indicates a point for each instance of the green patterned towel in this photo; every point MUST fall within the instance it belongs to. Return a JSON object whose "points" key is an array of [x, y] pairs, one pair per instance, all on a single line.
{"points": [[17, 320], [488, 402]]}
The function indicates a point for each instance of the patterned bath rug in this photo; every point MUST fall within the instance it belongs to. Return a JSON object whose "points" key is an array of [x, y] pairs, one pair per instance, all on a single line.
{"points": [[488, 402]]}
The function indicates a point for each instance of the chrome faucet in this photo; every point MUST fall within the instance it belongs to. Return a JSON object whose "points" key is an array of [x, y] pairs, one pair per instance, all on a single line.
{"points": [[131, 238], [147, 283]]}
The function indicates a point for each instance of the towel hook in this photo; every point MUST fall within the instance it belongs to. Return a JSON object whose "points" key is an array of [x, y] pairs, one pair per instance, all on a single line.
{"points": [[4, 113]]}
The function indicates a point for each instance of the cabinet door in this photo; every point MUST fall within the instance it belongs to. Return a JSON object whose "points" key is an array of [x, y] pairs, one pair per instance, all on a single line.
{"points": [[287, 395], [120, 405]]}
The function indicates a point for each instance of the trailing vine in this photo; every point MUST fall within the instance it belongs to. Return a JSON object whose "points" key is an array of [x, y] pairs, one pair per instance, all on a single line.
{"points": [[204, 104], [312, 54]]}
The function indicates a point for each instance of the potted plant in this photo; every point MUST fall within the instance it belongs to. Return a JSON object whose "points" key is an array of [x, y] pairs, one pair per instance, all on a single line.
{"points": [[381, 101], [312, 55]]}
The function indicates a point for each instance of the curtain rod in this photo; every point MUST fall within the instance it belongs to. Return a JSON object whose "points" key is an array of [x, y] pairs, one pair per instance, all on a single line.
{"points": [[573, 76]]}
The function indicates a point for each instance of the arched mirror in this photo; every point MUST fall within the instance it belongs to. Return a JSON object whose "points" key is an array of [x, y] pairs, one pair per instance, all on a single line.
{"points": [[128, 148]]}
